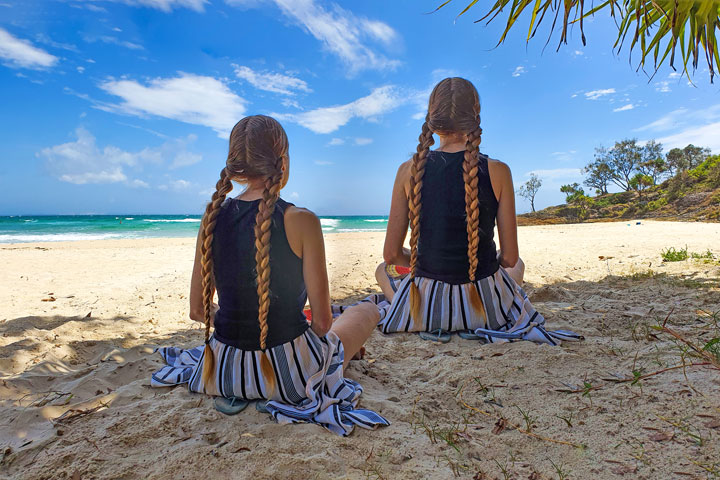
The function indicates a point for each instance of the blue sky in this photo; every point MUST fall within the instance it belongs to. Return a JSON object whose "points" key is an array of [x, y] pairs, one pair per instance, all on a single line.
{"points": [[125, 106]]}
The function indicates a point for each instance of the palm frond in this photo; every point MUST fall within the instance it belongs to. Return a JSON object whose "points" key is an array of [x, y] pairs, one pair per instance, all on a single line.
{"points": [[655, 27]]}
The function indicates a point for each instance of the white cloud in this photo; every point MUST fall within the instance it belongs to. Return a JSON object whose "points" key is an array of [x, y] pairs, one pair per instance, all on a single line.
{"points": [[701, 136], [336, 141], [164, 5], [663, 87], [666, 122], [595, 94], [340, 31], [18, 53], [82, 161], [519, 70], [115, 41], [188, 98], [578, 53], [294, 196], [363, 141], [674, 75], [271, 82], [184, 159], [328, 119], [624, 108], [80, 69]]}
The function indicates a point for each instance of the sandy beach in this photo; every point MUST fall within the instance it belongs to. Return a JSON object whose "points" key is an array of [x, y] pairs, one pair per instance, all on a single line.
{"points": [[80, 320]]}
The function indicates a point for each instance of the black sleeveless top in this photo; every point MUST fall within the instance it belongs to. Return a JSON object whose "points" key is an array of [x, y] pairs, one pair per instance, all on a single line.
{"points": [[442, 246], [236, 323]]}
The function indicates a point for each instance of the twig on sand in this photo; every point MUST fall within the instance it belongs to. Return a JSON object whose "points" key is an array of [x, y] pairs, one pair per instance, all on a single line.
{"points": [[508, 424], [75, 413]]}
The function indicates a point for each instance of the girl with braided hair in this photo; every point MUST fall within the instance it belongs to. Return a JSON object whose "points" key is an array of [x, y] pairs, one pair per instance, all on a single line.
{"points": [[453, 279], [265, 257]]}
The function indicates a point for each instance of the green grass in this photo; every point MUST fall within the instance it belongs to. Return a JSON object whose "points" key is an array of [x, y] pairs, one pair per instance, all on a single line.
{"points": [[673, 255]]}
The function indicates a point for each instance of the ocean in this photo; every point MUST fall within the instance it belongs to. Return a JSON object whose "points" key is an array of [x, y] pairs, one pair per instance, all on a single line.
{"points": [[65, 228]]}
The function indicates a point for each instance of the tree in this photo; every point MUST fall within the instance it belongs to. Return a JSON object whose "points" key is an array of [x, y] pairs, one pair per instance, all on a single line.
{"points": [[659, 25], [530, 189], [640, 182], [653, 164], [599, 175], [622, 159], [572, 192], [679, 160]]}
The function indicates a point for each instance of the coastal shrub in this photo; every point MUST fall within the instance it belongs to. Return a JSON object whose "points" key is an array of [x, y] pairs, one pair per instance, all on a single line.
{"points": [[673, 255], [678, 185], [655, 204], [701, 171]]}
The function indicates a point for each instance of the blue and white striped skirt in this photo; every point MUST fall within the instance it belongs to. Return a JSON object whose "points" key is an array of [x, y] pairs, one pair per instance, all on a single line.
{"points": [[446, 307], [309, 386]]}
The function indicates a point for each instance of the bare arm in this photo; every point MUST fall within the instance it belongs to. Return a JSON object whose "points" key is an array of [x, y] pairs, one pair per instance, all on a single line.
{"points": [[502, 183], [197, 311], [304, 234], [393, 251]]}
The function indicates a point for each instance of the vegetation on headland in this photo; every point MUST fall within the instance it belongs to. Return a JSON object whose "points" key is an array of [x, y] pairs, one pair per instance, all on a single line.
{"points": [[682, 185]]}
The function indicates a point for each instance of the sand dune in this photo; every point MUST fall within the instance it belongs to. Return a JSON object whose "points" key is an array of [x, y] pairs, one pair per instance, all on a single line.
{"points": [[80, 320]]}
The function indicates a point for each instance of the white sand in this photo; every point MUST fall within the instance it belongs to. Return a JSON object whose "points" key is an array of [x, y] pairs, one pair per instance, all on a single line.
{"points": [[55, 360]]}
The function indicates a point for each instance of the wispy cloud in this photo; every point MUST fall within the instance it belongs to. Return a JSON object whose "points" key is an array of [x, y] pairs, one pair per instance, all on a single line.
{"points": [[363, 141], [114, 41], [624, 108], [335, 142], [595, 94], [702, 136], [323, 162], [328, 119], [194, 99], [271, 81], [19, 53], [683, 126], [340, 31], [519, 70], [164, 5], [83, 162]]}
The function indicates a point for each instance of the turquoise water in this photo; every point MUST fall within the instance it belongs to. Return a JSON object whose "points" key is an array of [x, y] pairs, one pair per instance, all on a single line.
{"points": [[20, 229]]}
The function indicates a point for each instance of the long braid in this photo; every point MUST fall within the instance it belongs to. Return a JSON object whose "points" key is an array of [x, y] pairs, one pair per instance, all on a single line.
{"points": [[417, 171], [207, 227], [472, 212], [263, 222]]}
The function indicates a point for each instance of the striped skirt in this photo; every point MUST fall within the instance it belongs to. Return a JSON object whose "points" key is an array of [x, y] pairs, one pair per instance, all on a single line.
{"points": [[309, 382], [445, 307]]}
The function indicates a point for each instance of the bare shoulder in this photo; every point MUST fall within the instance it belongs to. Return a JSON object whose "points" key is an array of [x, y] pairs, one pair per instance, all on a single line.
{"points": [[497, 167], [404, 170], [300, 219]]}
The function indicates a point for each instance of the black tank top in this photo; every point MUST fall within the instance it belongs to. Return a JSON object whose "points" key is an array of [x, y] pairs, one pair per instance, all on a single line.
{"points": [[236, 323], [442, 246]]}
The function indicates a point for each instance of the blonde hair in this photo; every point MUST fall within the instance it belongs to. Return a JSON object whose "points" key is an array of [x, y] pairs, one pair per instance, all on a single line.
{"points": [[258, 149], [454, 107]]}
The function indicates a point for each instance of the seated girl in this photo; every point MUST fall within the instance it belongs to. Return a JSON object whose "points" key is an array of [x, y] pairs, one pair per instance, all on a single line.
{"points": [[265, 258], [454, 278]]}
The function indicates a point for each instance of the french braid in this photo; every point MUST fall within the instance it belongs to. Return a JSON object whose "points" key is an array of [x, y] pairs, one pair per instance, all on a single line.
{"points": [[472, 212], [207, 227], [417, 171], [263, 222]]}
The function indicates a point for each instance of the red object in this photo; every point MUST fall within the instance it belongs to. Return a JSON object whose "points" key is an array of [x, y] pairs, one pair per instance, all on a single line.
{"points": [[308, 314]]}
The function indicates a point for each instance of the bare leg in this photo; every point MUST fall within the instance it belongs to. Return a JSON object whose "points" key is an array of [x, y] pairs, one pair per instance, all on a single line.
{"points": [[384, 282], [354, 327], [517, 272]]}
